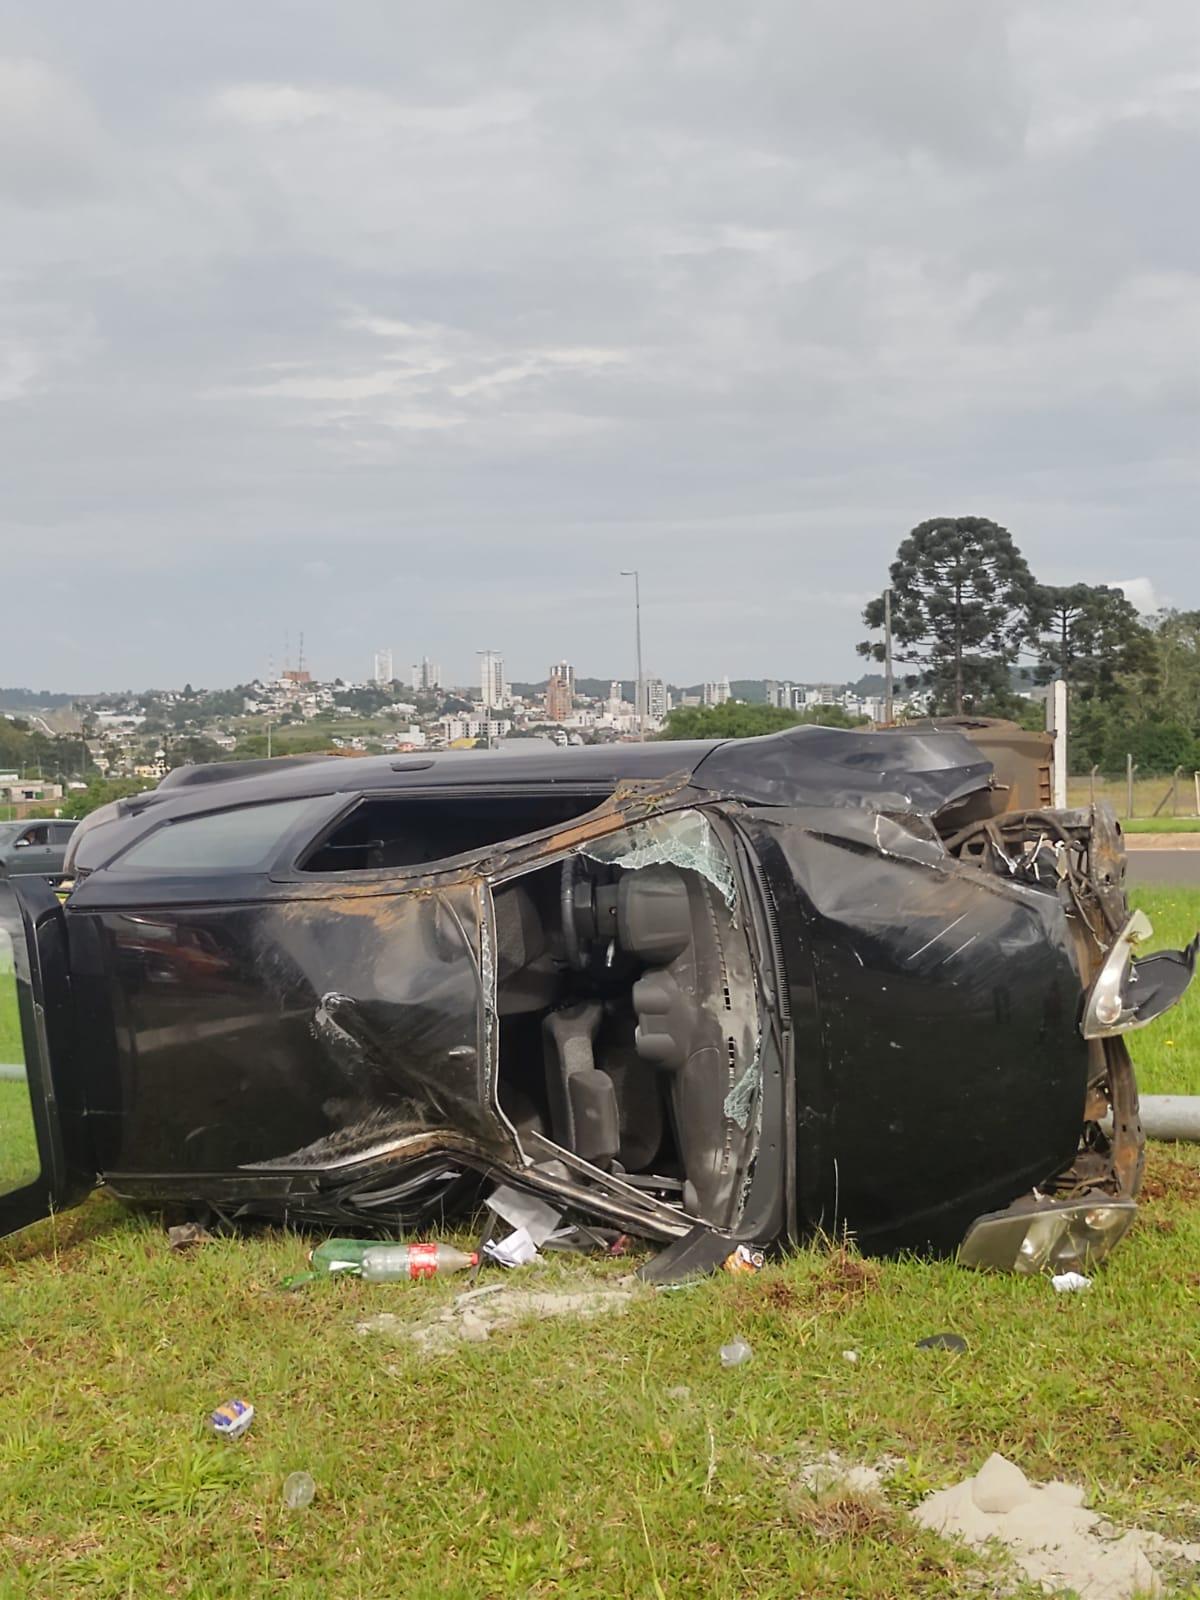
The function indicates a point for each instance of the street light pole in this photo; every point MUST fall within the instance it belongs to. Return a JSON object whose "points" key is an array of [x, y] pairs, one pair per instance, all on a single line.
{"points": [[632, 572], [888, 684]]}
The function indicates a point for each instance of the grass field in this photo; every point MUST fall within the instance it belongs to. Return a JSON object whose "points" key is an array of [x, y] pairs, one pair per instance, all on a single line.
{"points": [[1148, 795], [568, 1459]]}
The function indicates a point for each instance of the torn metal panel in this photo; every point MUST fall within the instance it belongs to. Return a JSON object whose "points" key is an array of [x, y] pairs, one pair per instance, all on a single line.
{"points": [[900, 772]]}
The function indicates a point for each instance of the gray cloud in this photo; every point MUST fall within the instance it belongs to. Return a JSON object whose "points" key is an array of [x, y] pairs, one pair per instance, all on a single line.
{"points": [[414, 325]]}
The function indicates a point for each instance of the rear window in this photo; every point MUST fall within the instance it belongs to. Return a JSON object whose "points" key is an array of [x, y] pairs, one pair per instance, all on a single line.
{"points": [[232, 841]]}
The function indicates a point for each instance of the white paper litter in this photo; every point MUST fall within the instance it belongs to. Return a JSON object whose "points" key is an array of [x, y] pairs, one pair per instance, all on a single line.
{"points": [[518, 1250], [1070, 1282], [520, 1210]]}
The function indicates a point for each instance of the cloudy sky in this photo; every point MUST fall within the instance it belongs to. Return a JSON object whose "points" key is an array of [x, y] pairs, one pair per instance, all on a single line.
{"points": [[410, 325]]}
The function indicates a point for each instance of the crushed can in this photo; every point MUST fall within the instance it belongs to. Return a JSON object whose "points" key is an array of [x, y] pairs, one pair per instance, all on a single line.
{"points": [[232, 1419], [744, 1259]]}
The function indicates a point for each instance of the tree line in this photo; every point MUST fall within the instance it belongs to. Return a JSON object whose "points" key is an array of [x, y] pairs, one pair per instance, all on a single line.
{"points": [[966, 611]]}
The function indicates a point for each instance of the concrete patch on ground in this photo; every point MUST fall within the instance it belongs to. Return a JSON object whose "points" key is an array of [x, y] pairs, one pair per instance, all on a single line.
{"points": [[831, 1472], [473, 1317], [1053, 1538]]}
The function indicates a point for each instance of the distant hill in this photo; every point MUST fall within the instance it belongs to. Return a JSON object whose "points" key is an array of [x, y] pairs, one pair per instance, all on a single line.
{"points": [[35, 700]]}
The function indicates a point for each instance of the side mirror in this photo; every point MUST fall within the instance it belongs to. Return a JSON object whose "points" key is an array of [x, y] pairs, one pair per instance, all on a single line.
{"points": [[22, 844]]}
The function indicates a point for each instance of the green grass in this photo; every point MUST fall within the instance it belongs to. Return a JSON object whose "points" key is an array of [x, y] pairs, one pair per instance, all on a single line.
{"points": [[1167, 1053], [562, 1459], [20, 1162], [1161, 824], [1148, 795]]}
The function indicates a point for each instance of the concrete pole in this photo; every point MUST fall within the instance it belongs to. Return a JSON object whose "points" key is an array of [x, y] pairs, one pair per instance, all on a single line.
{"points": [[1056, 723], [1170, 1116]]}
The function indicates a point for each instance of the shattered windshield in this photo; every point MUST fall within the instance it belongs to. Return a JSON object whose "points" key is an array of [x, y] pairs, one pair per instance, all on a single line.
{"points": [[681, 839]]}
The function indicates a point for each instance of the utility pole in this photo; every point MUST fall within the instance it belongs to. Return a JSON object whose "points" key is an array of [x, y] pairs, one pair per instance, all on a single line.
{"points": [[889, 710], [1056, 720], [633, 573]]}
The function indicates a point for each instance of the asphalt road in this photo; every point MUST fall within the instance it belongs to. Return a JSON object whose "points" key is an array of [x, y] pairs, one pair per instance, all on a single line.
{"points": [[1175, 869]]}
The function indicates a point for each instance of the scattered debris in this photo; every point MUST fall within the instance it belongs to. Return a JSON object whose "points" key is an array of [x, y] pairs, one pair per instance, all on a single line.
{"points": [[1054, 1539], [518, 1250], [298, 1490], [851, 1356], [944, 1341], [735, 1354], [473, 1317], [1070, 1282], [187, 1235], [330, 1257], [232, 1419], [525, 1212], [392, 1263], [744, 1259]]}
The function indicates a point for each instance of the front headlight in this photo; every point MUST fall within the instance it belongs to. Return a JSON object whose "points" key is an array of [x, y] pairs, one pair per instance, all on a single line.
{"points": [[1058, 1239]]}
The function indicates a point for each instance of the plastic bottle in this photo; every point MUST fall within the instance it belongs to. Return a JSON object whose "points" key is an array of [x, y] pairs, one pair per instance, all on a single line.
{"points": [[389, 1263], [298, 1490], [340, 1255]]}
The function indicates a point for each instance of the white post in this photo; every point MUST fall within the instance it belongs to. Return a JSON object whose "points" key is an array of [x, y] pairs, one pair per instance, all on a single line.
{"points": [[1056, 723]]}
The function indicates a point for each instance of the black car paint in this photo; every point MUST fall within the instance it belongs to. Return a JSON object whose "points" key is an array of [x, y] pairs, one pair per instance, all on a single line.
{"points": [[226, 1035]]}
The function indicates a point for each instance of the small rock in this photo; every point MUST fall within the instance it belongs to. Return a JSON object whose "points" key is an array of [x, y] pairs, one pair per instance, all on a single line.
{"points": [[850, 1355], [943, 1341], [999, 1485]]}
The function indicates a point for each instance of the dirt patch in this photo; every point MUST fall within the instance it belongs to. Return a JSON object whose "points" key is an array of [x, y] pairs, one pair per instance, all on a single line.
{"points": [[473, 1317], [841, 1514], [1169, 1177], [841, 1279], [1053, 1538]]}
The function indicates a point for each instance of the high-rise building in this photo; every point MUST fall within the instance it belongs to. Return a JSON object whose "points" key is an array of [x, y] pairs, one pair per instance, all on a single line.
{"points": [[425, 676], [560, 692], [716, 694], [493, 689], [382, 668], [655, 693]]}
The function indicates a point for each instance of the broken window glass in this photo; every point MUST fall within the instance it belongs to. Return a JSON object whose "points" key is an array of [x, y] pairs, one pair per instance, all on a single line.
{"points": [[679, 839]]}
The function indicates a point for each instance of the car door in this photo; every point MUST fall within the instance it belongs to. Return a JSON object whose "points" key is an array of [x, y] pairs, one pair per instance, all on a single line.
{"points": [[39, 1172], [60, 838], [32, 852]]}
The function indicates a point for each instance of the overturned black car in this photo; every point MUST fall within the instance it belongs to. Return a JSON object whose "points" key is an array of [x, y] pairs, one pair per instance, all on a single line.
{"points": [[704, 993]]}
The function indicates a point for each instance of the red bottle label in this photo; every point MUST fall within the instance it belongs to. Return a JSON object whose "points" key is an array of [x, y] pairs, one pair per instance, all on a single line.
{"points": [[422, 1260]]}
